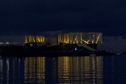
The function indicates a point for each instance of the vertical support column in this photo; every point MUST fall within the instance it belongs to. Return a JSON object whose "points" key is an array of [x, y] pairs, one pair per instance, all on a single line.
{"points": [[51, 70]]}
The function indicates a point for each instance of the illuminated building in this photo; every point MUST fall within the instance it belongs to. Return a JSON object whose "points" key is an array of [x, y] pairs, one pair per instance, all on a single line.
{"points": [[34, 39], [66, 38], [80, 38]]}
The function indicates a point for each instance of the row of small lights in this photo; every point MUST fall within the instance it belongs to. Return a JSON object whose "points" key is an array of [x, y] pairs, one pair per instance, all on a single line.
{"points": [[4, 43], [7, 43]]}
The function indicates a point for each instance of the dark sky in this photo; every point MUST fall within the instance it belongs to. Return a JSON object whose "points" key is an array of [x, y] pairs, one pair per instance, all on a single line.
{"points": [[27, 16]]}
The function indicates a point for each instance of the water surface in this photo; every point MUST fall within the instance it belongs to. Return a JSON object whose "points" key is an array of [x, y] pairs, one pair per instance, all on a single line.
{"points": [[63, 70]]}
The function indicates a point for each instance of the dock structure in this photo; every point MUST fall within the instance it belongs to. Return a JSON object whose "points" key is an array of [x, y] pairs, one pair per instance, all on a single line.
{"points": [[60, 44], [79, 38], [35, 39]]}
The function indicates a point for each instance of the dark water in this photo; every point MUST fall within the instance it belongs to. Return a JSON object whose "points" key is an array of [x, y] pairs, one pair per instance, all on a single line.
{"points": [[115, 69], [63, 70]]}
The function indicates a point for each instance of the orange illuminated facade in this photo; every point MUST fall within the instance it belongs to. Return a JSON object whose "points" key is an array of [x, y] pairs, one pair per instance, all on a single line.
{"points": [[67, 38], [80, 38], [34, 39]]}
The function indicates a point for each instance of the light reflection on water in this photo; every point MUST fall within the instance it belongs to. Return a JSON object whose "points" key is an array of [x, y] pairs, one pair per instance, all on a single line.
{"points": [[34, 70], [68, 70]]}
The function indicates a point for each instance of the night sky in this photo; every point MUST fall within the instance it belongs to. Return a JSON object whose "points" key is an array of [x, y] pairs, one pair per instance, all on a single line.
{"points": [[28, 16]]}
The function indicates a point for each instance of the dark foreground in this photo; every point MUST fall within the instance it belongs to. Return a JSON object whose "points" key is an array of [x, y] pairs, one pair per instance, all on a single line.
{"points": [[67, 50]]}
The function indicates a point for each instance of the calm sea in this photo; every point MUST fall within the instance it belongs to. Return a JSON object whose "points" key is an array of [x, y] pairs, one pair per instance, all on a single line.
{"points": [[63, 70]]}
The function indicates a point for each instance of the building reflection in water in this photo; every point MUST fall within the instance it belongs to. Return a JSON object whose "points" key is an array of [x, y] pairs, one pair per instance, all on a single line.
{"points": [[80, 70], [34, 70], [70, 70]]}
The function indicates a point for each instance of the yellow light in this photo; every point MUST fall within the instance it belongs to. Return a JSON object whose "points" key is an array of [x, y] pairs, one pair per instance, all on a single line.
{"points": [[86, 42], [98, 38], [36, 39]]}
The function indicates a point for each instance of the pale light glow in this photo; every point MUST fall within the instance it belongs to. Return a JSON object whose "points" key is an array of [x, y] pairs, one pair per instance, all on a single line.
{"points": [[98, 38]]}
